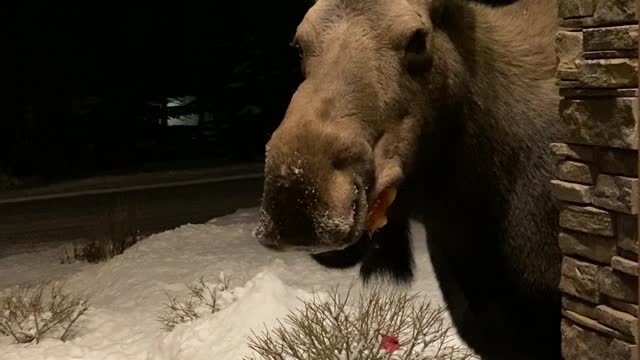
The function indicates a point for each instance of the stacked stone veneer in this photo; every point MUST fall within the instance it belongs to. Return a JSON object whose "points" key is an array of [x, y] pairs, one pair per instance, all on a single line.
{"points": [[597, 178]]}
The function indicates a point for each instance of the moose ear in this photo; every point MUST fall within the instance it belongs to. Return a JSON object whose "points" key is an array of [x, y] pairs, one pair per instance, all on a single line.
{"points": [[439, 10], [443, 10]]}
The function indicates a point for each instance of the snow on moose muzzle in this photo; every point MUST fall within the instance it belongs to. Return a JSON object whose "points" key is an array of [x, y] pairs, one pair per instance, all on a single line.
{"points": [[298, 214], [315, 196], [296, 228]]}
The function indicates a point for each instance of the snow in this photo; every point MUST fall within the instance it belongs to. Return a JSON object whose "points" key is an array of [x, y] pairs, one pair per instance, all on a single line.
{"points": [[225, 333], [127, 293], [29, 267]]}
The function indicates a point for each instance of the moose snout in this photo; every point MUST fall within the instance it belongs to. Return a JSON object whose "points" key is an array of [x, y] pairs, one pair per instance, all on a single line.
{"points": [[298, 214], [313, 194]]}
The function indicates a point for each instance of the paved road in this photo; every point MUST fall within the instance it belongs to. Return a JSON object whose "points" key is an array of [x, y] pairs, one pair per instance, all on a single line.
{"points": [[24, 224], [132, 181]]}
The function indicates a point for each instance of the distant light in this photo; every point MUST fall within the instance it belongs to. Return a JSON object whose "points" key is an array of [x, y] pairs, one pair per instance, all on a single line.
{"points": [[184, 120], [180, 101]]}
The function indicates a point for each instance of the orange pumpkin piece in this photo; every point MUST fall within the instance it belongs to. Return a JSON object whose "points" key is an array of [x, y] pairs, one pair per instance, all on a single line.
{"points": [[378, 211]]}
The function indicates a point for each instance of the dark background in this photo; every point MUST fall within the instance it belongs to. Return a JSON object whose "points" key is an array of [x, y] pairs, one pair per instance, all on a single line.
{"points": [[89, 85]]}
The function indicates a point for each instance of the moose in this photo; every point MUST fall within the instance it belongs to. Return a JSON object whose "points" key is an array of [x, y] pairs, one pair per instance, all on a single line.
{"points": [[440, 111]]}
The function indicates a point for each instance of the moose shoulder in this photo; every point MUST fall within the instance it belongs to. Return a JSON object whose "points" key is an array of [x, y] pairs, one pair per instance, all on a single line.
{"points": [[453, 104]]}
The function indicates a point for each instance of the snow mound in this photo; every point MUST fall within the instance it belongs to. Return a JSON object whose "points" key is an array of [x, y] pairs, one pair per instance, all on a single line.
{"points": [[224, 335], [127, 294]]}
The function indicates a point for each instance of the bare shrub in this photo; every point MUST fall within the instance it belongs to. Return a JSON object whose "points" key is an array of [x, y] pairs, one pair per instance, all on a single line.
{"points": [[383, 324], [83, 250], [8, 182], [204, 298], [122, 228], [29, 313], [121, 231]]}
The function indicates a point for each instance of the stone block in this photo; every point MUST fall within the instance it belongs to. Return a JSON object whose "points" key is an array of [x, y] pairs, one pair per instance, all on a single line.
{"points": [[616, 193], [622, 350], [594, 325], [572, 192], [579, 307], [587, 219], [624, 265], [627, 229], [568, 51], [614, 12], [586, 93], [580, 279], [570, 151], [574, 172], [605, 12], [564, 84], [566, 74], [608, 54], [601, 121], [618, 162], [582, 344], [608, 73], [611, 38], [618, 320], [594, 247], [575, 8], [629, 308], [617, 285]]}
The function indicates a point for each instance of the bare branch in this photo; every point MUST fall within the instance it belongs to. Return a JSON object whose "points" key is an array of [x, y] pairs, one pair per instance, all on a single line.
{"points": [[340, 329], [29, 313]]}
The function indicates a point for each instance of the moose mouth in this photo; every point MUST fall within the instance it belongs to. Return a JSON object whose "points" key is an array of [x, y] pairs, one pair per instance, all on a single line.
{"points": [[365, 219], [273, 234], [358, 228], [376, 218]]}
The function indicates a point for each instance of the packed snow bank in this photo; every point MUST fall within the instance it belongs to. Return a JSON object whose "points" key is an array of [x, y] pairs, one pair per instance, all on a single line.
{"points": [[224, 335], [127, 293], [30, 267]]}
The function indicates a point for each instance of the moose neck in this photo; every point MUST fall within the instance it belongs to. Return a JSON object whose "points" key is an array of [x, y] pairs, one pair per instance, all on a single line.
{"points": [[482, 129]]}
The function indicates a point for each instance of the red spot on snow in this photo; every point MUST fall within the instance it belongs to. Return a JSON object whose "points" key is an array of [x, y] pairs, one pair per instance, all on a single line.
{"points": [[390, 343]]}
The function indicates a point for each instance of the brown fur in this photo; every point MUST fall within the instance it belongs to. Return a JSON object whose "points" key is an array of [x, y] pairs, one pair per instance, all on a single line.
{"points": [[460, 122]]}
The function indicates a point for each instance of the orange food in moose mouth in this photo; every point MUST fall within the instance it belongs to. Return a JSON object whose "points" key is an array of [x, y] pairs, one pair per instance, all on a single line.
{"points": [[378, 212]]}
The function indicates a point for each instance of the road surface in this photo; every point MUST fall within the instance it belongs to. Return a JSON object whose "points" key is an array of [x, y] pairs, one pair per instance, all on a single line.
{"points": [[44, 218]]}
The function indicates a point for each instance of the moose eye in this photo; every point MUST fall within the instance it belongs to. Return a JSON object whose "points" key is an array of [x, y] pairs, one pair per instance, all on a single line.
{"points": [[296, 44], [417, 58], [417, 43]]}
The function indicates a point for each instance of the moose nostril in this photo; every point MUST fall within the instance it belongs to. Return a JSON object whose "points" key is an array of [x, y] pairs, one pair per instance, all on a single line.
{"points": [[343, 160], [340, 162]]}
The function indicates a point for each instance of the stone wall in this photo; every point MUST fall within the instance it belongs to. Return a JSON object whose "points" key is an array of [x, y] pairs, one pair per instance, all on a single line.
{"points": [[597, 178]]}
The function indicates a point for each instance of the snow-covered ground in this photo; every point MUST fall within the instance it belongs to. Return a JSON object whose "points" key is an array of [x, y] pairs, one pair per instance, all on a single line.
{"points": [[128, 292]]}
